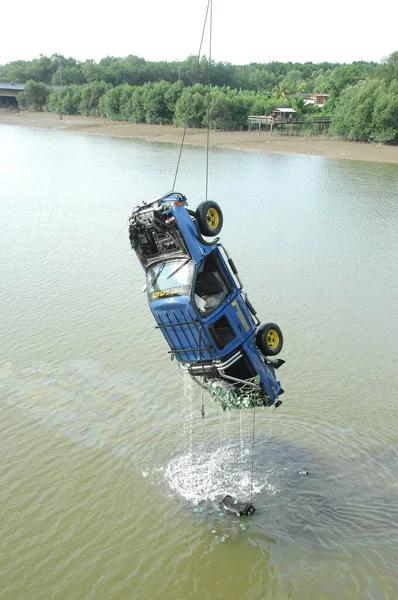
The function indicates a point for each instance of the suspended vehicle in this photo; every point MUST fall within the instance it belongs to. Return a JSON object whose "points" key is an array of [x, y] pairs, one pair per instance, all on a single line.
{"points": [[197, 299]]}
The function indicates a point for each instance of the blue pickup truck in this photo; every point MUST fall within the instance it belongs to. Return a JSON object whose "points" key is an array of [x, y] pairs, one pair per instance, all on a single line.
{"points": [[196, 297]]}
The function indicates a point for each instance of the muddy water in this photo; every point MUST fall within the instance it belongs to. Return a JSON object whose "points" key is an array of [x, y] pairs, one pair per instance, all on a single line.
{"points": [[109, 477]]}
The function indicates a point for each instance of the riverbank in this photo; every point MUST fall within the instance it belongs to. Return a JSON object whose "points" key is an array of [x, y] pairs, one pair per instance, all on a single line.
{"points": [[242, 140]]}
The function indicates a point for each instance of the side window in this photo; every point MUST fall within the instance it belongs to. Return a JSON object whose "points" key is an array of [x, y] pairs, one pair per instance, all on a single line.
{"points": [[222, 332], [211, 286]]}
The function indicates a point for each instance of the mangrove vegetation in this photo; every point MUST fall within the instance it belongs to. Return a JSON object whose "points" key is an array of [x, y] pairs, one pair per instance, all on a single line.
{"points": [[362, 96]]}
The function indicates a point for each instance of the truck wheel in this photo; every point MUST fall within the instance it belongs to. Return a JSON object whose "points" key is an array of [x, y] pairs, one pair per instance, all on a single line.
{"points": [[269, 339], [209, 217]]}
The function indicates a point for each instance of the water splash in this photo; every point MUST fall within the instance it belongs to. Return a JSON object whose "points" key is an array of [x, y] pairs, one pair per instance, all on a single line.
{"points": [[206, 469], [208, 474]]}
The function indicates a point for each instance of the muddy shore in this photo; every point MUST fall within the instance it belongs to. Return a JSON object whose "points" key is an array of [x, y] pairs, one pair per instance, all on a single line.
{"points": [[316, 146]]}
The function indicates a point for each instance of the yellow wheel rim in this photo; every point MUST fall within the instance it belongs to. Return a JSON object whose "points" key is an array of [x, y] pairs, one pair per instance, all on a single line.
{"points": [[273, 339], [212, 218]]}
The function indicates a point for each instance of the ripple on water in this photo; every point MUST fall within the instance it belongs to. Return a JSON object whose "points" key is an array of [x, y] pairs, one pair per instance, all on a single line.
{"points": [[90, 405]]}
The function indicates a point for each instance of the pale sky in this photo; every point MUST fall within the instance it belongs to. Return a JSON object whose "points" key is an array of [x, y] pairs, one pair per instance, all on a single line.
{"points": [[243, 32]]}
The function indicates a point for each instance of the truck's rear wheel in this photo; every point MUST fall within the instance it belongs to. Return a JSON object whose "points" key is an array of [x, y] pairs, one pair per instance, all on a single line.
{"points": [[269, 339]]}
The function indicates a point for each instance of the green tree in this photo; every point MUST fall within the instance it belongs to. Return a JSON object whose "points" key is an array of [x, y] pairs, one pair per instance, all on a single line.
{"points": [[137, 112], [68, 71], [240, 105], [155, 105], [90, 98], [385, 114], [65, 101], [39, 69], [218, 111], [190, 109], [109, 104], [172, 94], [126, 94], [368, 111], [388, 70], [34, 96], [91, 71]]}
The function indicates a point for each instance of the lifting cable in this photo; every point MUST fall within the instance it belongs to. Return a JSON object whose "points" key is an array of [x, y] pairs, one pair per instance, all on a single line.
{"points": [[202, 411], [209, 98], [208, 9], [209, 14], [251, 483], [123, 228]]}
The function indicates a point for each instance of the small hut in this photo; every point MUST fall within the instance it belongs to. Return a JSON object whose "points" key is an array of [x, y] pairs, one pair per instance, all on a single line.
{"points": [[320, 99], [284, 113]]}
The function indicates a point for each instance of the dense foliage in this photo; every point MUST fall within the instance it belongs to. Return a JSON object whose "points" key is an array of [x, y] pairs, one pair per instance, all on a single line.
{"points": [[274, 77], [363, 97], [168, 103], [34, 96], [368, 110]]}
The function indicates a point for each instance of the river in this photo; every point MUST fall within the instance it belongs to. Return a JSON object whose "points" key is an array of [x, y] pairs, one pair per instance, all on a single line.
{"points": [[109, 477]]}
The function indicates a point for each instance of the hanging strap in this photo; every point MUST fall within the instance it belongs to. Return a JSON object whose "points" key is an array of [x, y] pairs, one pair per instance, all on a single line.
{"points": [[251, 483], [209, 8]]}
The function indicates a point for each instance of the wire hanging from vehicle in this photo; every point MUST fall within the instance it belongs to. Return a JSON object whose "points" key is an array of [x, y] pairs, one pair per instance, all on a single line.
{"points": [[121, 231], [253, 435], [209, 6], [209, 99]]}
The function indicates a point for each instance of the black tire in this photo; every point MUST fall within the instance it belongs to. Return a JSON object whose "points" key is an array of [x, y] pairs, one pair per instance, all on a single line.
{"points": [[269, 339], [209, 217]]}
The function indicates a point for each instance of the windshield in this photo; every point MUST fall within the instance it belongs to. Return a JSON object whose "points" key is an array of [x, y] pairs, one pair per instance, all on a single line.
{"points": [[169, 278]]}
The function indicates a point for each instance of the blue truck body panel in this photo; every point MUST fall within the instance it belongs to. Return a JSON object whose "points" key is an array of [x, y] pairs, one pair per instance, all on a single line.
{"points": [[196, 298]]}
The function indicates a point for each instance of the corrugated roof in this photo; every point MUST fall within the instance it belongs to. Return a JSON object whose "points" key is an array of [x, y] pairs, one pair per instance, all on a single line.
{"points": [[286, 110]]}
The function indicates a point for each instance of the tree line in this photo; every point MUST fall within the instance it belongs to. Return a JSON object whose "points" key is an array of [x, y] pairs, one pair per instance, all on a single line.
{"points": [[275, 77], [368, 110], [363, 97], [161, 103]]}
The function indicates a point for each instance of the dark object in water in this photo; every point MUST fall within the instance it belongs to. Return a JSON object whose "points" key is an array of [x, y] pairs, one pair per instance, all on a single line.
{"points": [[240, 509]]}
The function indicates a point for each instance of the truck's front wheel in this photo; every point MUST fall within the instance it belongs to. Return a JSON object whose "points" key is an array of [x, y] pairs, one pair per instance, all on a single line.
{"points": [[210, 218]]}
